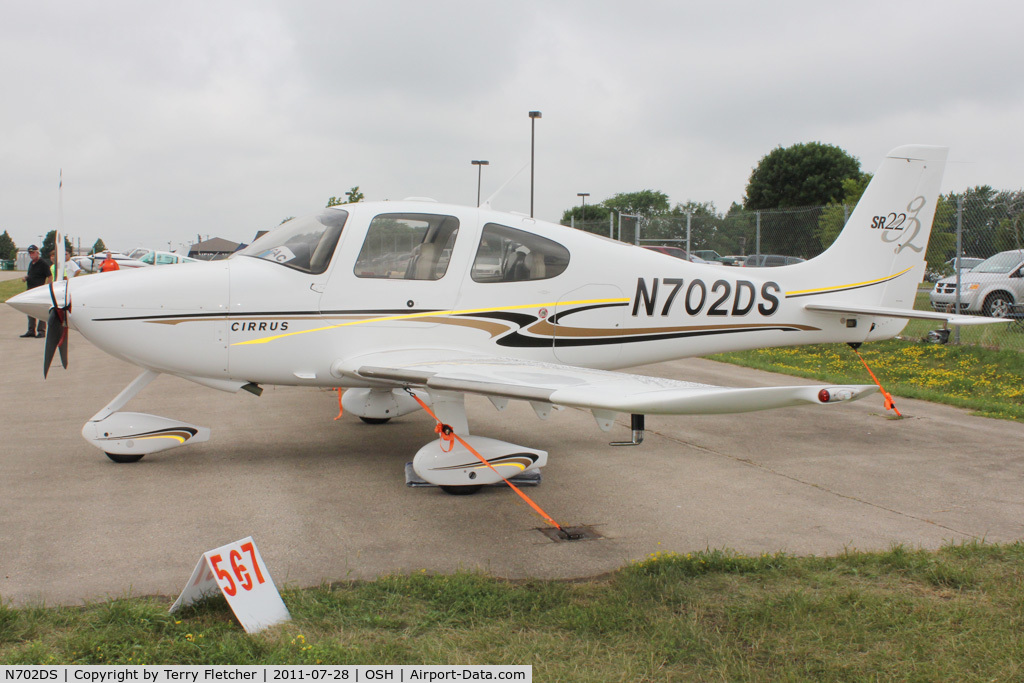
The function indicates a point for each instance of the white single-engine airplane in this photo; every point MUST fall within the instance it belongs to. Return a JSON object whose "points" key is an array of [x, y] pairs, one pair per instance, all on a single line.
{"points": [[403, 300]]}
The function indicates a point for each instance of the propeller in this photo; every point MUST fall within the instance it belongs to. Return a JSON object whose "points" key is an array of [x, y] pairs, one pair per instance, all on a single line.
{"points": [[57, 322], [57, 331]]}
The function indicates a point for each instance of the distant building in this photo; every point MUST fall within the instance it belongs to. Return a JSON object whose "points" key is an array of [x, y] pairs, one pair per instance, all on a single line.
{"points": [[213, 249]]}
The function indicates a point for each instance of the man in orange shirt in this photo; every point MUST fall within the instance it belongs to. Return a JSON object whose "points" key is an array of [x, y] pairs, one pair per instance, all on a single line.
{"points": [[109, 264]]}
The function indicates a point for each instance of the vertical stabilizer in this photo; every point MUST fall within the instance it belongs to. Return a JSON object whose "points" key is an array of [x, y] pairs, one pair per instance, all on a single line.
{"points": [[879, 257]]}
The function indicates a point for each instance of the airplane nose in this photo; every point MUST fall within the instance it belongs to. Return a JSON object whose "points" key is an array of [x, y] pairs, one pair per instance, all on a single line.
{"points": [[36, 302], [169, 318]]}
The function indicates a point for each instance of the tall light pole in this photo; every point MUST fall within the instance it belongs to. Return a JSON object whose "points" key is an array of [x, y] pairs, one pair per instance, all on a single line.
{"points": [[583, 206], [479, 172], [534, 115]]}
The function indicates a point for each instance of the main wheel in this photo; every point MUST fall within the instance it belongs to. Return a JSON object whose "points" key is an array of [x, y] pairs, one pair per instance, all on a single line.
{"points": [[461, 490], [998, 305], [123, 459], [374, 420]]}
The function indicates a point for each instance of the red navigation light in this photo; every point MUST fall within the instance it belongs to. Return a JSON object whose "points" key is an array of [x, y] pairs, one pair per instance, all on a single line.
{"points": [[824, 396]]}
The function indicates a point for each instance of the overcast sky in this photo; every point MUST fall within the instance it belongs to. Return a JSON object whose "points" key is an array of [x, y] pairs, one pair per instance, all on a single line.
{"points": [[222, 118]]}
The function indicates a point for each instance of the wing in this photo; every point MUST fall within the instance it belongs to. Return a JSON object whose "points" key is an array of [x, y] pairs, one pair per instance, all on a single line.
{"points": [[601, 391], [910, 314]]}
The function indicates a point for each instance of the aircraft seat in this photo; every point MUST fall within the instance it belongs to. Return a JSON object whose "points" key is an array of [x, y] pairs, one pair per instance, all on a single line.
{"points": [[426, 262]]}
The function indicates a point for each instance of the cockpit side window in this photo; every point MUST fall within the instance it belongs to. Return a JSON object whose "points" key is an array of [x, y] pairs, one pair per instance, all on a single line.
{"points": [[407, 246], [305, 244], [509, 255]]}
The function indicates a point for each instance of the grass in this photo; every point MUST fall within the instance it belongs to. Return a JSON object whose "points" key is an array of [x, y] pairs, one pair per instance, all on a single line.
{"points": [[986, 381], [9, 288], [954, 614], [984, 378]]}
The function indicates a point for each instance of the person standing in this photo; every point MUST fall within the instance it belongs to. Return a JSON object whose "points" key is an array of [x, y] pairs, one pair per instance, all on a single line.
{"points": [[37, 275], [109, 264], [71, 269]]}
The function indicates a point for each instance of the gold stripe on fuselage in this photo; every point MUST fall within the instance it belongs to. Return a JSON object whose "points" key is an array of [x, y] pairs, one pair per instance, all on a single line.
{"points": [[429, 314]]}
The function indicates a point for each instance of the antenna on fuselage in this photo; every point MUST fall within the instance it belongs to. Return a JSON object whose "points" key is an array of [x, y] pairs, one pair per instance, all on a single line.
{"points": [[487, 202]]}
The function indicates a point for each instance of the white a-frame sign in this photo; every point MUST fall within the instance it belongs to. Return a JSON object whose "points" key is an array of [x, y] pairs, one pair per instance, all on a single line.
{"points": [[237, 570]]}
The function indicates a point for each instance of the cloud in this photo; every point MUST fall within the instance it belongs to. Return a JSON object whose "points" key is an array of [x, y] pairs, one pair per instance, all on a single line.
{"points": [[223, 118]]}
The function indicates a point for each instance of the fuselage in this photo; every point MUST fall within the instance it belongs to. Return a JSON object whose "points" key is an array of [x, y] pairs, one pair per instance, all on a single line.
{"points": [[364, 278]]}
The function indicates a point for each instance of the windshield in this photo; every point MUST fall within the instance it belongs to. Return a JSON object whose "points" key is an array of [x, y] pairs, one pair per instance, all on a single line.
{"points": [[1003, 262], [305, 244]]}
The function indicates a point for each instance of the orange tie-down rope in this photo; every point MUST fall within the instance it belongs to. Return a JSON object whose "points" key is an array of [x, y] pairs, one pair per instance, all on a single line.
{"points": [[889, 405], [447, 434]]}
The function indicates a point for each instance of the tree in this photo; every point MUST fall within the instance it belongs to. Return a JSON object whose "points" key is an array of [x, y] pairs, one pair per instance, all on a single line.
{"points": [[942, 243], [646, 203], [353, 196], [50, 242], [98, 247], [835, 214], [594, 214], [805, 174], [8, 250], [704, 222]]}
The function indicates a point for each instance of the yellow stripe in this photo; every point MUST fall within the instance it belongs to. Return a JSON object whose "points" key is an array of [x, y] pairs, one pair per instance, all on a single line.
{"points": [[427, 314], [518, 465], [855, 284], [179, 439]]}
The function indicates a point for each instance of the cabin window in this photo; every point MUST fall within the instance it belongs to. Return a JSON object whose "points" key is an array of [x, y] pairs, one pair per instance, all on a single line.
{"points": [[407, 246], [509, 255], [305, 244]]}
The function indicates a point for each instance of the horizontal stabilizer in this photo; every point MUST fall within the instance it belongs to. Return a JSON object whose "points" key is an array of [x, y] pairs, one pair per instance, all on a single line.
{"points": [[909, 314]]}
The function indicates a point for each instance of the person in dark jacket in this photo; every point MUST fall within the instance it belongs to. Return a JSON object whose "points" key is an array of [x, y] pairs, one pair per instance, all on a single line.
{"points": [[37, 275]]}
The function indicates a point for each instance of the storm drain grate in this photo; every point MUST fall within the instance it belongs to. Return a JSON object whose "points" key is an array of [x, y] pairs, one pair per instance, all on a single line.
{"points": [[570, 533]]}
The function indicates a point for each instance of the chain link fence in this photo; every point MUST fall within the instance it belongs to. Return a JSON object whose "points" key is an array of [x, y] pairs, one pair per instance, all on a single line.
{"points": [[986, 224]]}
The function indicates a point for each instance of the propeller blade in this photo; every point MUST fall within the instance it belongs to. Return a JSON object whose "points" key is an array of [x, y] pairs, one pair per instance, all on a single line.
{"points": [[56, 334], [62, 345], [54, 331]]}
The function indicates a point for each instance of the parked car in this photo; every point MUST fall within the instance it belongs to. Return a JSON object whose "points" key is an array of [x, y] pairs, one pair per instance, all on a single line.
{"points": [[677, 252], [990, 288], [949, 267], [734, 260], [770, 260], [709, 255]]}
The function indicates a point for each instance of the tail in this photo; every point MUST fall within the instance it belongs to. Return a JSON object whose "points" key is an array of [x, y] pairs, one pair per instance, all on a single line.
{"points": [[878, 260]]}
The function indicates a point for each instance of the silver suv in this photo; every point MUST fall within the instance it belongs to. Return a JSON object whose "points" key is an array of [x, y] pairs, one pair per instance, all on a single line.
{"points": [[990, 288]]}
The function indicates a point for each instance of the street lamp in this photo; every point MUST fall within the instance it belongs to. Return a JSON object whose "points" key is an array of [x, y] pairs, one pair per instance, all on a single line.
{"points": [[479, 172], [534, 115], [583, 206]]}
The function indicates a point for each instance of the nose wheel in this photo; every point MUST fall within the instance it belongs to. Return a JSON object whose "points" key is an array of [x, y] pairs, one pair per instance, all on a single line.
{"points": [[461, 490], [124, 459]]}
